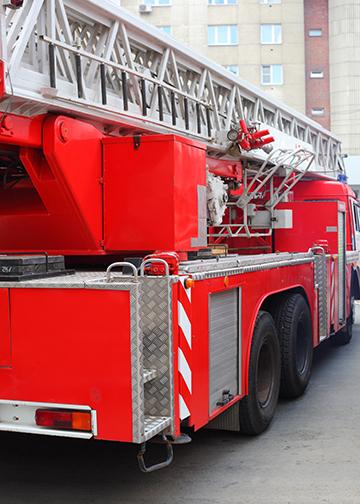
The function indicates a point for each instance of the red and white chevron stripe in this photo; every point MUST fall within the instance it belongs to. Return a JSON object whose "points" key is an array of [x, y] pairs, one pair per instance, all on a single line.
{"points": [[184, 354]]}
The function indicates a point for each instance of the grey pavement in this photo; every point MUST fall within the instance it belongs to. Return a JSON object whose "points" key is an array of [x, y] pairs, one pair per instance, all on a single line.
{"points": [[311, 454]]}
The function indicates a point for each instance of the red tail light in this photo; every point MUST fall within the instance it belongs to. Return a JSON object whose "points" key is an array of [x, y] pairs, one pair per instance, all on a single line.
{"points": [[63, 419]]}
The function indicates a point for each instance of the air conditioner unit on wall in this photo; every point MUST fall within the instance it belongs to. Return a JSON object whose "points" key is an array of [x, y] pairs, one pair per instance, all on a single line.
{"points": [[144, 8]]}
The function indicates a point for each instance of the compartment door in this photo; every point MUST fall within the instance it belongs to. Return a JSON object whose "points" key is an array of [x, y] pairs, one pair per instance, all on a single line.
{"points": [[224, 345]]}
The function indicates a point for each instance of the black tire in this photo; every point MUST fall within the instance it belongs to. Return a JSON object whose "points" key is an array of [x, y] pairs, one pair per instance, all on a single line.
{"points": [[343, 337], [258, 407], [294, 327]]}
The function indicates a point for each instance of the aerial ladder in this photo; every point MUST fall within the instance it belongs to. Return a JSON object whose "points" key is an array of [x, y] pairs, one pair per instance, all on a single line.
{"points": [[98, 62], [118, 142]]}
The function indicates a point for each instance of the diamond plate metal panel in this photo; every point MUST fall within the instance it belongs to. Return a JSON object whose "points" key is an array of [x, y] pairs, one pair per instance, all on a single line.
{"points": [[155, 425], [321, 283], [156, 320], [149, 374], [137, 372]]}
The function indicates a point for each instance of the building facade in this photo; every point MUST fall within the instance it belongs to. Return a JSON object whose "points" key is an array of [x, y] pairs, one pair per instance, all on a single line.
{"points": [[304, 52]]}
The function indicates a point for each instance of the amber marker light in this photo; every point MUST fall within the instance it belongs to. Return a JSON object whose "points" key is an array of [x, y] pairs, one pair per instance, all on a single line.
{"points": [[189, 283]]}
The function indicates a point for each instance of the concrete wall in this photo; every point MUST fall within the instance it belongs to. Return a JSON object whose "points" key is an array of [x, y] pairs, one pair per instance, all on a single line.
{"points": [[344, 19], [189, 20]]}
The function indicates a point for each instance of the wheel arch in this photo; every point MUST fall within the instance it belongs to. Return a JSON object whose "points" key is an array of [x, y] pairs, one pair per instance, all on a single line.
{"points": [[268, 303]]}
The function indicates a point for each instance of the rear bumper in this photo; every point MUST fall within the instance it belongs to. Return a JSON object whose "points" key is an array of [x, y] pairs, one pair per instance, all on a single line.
{"points": [[19, 416]]}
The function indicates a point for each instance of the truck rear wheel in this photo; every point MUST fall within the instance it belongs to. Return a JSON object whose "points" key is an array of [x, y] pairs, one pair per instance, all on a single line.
{"points": [[293, 323], [258, 407]]}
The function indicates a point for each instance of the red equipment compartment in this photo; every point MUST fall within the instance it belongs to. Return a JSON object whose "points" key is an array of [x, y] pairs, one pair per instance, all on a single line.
{"points": [[72, 346], [312, 221], [155, 193]]}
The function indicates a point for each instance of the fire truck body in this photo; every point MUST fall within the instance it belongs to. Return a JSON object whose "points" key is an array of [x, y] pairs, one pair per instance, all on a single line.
{"points": [[225, 264]]}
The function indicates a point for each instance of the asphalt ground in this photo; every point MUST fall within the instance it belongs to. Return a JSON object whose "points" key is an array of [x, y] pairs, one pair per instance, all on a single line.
{"points": [[310, 455]]}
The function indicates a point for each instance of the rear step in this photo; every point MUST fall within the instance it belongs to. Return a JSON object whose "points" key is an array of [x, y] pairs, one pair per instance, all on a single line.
{"points": [[153, 425]]}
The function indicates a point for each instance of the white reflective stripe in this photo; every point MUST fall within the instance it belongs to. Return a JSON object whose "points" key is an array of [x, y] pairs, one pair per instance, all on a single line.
{"points": [[184, 369], [184, 410], [187, 291], [184, 323]]}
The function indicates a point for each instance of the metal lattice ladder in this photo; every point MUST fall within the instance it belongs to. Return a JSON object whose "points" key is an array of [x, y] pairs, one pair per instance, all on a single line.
{"points": [[290, 165], [107, 66]]}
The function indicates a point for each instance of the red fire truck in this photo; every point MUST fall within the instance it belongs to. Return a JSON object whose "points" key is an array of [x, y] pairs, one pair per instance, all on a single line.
{"points": [[174, 242]]}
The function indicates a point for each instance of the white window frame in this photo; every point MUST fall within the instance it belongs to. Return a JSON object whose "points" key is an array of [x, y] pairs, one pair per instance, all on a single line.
{"points": [[223, 2], [272, 83], [315, 32], [316, 74], [156, 3], [273, 40], [270, 2], [318, 111], [216, 37]]}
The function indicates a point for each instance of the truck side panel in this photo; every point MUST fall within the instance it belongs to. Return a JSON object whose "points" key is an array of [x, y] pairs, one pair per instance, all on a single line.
{"points": [[255, 288], [72, 346]]}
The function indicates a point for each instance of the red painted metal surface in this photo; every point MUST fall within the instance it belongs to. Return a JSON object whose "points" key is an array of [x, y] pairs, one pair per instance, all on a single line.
{"points": [[57, 209], [5, 334], [22, 131], [2, 79], [312, 221], [151, 192], [72, 346]]}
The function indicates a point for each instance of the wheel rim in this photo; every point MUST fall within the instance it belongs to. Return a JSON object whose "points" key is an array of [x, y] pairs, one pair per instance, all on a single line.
{"points": [[265, 375], [302, 346]]}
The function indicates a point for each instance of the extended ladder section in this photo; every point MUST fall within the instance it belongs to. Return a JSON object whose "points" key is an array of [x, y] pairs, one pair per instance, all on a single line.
{"points": [[290, 167], [101, 63]]}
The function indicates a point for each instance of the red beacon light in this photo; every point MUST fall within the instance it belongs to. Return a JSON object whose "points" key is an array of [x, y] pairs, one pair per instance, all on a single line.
{"points": [[13, 4]]}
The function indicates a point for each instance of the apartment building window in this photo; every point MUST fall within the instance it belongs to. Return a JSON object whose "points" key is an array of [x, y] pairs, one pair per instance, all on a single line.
{"points": [[158, 3], [222, 35], [318, 111], [222, 2], [315, 32], [271, 75], [271, 33], [166, 29], [270, 2], [233, 69], [316, 74]]}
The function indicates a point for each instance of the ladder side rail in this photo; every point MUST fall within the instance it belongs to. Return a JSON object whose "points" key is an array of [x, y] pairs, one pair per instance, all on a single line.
{"points": [[223, 98]]}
